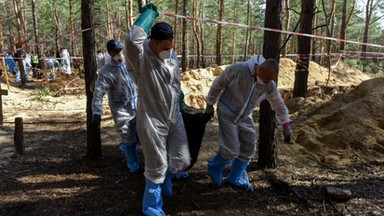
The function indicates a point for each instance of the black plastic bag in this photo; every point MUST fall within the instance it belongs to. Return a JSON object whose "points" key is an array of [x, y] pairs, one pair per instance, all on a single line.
{"points": [[194, 124]]}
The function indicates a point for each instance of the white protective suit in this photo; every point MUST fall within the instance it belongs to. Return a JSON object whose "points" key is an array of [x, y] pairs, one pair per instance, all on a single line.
{"points": [[66, 62], [114, 79], [100, 60], [239, 95], [160, 124]]}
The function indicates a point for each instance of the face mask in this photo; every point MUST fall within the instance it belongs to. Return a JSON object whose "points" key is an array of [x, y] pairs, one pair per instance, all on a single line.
{"points": [[165, 54], [119, 58]]}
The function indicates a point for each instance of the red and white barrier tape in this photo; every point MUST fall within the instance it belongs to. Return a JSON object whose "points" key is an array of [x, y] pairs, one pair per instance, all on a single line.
{"points": [[269, 29]]}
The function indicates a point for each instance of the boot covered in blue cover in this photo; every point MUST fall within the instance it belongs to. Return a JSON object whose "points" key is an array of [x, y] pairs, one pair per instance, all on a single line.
{"points": [[166, 187], [215, 169], [235, 177], [152, 200], [131, 154]]}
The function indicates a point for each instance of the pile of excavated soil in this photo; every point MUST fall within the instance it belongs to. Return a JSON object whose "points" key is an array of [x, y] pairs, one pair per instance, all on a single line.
{"points": [[347, 128], [196, 83], [337, 123]]}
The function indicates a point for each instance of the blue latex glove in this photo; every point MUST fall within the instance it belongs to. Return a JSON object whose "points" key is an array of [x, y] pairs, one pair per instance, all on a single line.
{"points": [[147, 16], [287, 134]]}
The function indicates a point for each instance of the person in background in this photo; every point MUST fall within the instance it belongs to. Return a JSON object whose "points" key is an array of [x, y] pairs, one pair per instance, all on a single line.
{"points": [[100, 59], [65, 61], [51, 64], [239, 89], [160, 124], [26, 66], [114, 79], [10, 62], [35, 62]]}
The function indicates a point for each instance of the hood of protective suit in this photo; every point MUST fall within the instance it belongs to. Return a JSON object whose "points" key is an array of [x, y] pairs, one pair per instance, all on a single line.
{"points": [[255, 59]]}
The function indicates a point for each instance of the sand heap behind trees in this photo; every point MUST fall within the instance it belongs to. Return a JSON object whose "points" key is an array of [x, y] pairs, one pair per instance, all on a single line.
{"points": [[339, 128]]}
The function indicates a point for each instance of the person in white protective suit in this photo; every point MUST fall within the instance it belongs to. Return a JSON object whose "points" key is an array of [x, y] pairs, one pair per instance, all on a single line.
{"points": [[100, 59], [114, 79], [65, 61], [239, 89], [160, 124]]}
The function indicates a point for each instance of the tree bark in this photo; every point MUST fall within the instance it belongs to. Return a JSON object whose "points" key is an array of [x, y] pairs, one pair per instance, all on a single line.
{"points": [[343, 28], [329, 34], [20, 41], [176, 26], [35, 26], [314, 40], [219, 34], [57, 25], [247, 34], [368, 14], [304, 47], [196, 33], [267, 122], [287, 20], [89, 54], [72, 30], [201, 25], [184, 52]]}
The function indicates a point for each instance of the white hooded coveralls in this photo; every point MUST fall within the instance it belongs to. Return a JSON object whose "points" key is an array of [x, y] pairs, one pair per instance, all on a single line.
{"points": [[239, 95], [160, 124], [114, 79]]}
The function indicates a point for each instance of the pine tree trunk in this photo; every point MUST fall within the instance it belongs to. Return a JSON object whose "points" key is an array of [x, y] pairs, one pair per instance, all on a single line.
{"points": [[72, 30], [184, 39], [57, 25], [287, 20], [271, 47], [176, 26], [89, 54], [304, 48], [196, 33], [201, 26], [109, 24], [247, 34], [35, 26], [314, 40], [368, 14], [219, 34], [343, 26], [20, 41]]}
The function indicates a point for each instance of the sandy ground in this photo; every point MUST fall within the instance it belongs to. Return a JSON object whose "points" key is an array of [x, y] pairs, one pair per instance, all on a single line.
{"points": [[338, 141]]}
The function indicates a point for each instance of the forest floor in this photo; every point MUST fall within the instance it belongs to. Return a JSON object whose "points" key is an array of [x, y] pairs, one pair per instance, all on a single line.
{"points": [[338, 141]]}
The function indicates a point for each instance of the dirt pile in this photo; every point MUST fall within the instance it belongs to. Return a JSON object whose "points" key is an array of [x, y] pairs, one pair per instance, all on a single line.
{"points": [[196, 83], [336, 123], [347, 128]]}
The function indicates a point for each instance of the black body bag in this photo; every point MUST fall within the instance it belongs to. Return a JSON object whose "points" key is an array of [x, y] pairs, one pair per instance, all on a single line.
{"points": [[194, 124]]}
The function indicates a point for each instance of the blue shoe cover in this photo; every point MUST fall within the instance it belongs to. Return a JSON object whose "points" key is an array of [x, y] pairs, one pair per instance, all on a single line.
{"points": [[152, 200], [166, 187], [132, 157], [215, 169], [182, 175], [236, 178]]}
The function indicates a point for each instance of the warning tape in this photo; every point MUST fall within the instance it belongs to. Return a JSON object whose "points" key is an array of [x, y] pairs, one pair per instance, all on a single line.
{"points": [[56, 38], [222, 23], [269, 29]]}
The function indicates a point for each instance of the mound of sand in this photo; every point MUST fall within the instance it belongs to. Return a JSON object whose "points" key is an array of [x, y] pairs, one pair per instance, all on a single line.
{"points": [[348, 127], [196, 83], [337, 123]]}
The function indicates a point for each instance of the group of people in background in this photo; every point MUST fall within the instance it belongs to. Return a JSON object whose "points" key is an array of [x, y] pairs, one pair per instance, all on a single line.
{"points": [[32, 64], [142, 81]]}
